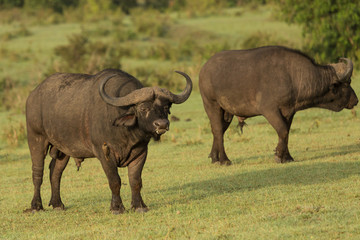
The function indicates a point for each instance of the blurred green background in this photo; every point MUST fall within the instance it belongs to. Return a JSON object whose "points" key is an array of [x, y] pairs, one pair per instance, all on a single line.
{"points": [[317, 196]]}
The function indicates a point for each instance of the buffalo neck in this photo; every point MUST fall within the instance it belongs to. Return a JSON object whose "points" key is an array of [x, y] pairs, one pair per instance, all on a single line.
{"points": [[311, 91]]}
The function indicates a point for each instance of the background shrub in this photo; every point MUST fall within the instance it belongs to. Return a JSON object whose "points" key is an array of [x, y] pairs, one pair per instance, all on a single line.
{"points": [[151, 23], [331, 28], [13, 95], [260, 39], [81, 55], [204, 7], [15, 133], [21, 31], [55, 5], [163, 77], [11, 3]]}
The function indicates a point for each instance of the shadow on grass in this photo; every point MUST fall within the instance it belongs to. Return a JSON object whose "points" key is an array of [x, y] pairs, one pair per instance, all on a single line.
{"points": [[307, 155], [298, 173], [333, 152], [301, 173]]}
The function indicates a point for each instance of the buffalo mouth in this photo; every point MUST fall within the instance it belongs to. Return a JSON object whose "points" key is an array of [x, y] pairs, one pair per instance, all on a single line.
{"points": [[158, 132], [352, 104]]}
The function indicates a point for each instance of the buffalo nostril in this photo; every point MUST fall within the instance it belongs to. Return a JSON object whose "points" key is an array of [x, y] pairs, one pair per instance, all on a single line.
{"points": [[161, 124]]}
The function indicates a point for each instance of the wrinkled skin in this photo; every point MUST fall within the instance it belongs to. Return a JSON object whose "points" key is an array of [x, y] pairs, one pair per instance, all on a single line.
{"points": [[274, 82], [67, 115]]}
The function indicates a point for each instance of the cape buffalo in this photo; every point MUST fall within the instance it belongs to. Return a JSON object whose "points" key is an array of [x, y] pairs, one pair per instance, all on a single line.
{"points": [[110, 116], [272, 81]]}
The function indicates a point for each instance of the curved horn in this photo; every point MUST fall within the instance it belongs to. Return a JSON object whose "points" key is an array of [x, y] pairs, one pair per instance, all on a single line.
{"points": [[184, 95], [136, 96], [343, 69], [348, 71]]}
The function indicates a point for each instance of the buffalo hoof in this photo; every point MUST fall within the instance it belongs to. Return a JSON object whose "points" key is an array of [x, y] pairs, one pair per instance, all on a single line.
{"points": [[31, 210], [283, 160], [118, 211], [223, 163], [61, 208], [142, 210], [57, 205]]}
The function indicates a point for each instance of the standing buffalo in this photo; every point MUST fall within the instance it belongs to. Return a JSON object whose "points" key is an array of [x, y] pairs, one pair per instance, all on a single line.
{"points": [[110, 116], [275, 82]]}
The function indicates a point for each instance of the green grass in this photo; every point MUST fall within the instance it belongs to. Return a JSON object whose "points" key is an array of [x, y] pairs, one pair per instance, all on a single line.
{"points": [[315, 197], [27, 57], [247, 22]]}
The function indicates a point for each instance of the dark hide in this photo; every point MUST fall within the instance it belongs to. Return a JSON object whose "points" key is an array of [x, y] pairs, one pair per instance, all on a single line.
{"points": [[67, 114], [275, 82]]}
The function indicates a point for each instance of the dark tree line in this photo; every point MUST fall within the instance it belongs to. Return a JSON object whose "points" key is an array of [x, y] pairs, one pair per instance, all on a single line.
{"points": [[126, 5], [59, 5], [331, 28]]}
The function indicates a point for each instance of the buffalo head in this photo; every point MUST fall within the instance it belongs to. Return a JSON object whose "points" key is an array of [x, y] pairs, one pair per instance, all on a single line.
{"points": [[148, 107], [341, 94]]}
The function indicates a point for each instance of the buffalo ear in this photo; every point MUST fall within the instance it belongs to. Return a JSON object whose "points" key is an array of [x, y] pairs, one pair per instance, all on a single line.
{"points": [[127, 121]]}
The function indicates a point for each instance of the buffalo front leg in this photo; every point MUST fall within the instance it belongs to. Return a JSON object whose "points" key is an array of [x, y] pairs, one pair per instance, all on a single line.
{"points": [[38, 146], [134, 173], [111, 171], [282, 127], [220, 121], [57, 166]]}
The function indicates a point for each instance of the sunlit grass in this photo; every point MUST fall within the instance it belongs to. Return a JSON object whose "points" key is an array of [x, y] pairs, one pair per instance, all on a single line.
{"points": [[317, 196]]}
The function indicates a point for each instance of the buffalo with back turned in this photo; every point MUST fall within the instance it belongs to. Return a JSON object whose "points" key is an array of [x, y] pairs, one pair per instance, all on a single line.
{"points": [[274, 82], [110, 116]]}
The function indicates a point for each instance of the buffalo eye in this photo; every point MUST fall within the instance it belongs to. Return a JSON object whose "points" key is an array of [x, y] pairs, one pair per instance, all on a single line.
{"points": [[145, 109], [334, 88]]}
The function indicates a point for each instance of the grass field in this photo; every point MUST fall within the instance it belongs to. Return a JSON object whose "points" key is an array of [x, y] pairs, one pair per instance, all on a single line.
{"points": [[315, 197]]}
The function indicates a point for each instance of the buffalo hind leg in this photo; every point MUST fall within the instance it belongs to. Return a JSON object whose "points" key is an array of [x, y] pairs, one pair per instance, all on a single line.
{"points": [[57, 166], [38, 146], [111, 171], [282, 127], [134, 173], [220, 121]]}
